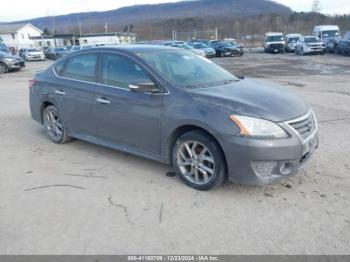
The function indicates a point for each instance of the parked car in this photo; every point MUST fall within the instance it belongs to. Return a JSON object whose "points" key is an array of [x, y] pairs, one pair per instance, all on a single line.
{"points": [[224, 49], [10, 63], [21, 52], [4, 48], [33, 54], [190, 48], [291, 42], [56, 52], [209, 52], [79, 47], [175, 107], [329, 34], [274, 43], [235, 44], [170, 43], [310, 45], [343, 45]]}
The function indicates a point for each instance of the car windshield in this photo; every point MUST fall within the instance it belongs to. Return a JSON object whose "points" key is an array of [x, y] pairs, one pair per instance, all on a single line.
{"points": [[60, 49], [224, 44], [33, 50], [330, 33], [275, 38], [188, 70], [311, 40], [293, 39]]}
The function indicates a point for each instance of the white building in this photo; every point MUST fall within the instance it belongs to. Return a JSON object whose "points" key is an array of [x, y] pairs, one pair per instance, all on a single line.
{"points": [[19, 35], [84, 39]]}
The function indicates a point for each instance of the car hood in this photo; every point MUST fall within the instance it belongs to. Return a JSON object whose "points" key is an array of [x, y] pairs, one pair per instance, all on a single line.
{"points": [[254, 98], [18, 58], [208, 50], [276, 42], [36, 53]]}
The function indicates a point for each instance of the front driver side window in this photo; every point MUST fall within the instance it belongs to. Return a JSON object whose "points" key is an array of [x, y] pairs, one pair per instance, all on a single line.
{"points": [[120, 72]]}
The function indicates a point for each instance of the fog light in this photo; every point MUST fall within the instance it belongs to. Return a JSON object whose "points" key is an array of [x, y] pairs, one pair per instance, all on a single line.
{"points": [[263, 168], [286, 168]]}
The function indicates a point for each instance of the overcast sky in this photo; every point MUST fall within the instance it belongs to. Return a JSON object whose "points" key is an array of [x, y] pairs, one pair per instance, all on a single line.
{"points": [[12, 10]]}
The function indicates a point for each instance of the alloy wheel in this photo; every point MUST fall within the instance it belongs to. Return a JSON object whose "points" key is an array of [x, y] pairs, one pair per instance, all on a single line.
{"points": [[195, 162], [53, 125], [3, 68]]}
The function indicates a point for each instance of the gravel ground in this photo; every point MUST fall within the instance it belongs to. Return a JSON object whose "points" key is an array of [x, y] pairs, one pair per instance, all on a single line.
{"points": [[80, 198]]}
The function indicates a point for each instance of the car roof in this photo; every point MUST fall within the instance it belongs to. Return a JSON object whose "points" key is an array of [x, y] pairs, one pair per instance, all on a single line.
{"points": [[293, 35], [134, 48], [273, 33], [326, 27]]}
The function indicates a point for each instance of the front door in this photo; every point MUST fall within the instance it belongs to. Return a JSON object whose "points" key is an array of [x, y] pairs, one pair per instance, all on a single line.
{"points": [[125, 117]]}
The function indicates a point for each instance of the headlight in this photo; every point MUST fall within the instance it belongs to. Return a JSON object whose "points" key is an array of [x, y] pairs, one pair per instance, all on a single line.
{"points": [[258, 128], [10, 60]]}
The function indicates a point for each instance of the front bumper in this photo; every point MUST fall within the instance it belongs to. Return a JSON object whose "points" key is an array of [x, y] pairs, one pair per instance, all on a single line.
{"points": [[276, 48], [210, 55], [15, 65], [259, 162], [35, 58], [233, 53], [318, 49]]}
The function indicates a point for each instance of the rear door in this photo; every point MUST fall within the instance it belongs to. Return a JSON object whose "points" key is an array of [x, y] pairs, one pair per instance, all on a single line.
{"points": [[74, 92], [125, 117]]}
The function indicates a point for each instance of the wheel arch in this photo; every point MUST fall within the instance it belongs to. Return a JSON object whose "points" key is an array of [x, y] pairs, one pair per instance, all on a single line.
{"points": [[43, 106], [186, 128]]}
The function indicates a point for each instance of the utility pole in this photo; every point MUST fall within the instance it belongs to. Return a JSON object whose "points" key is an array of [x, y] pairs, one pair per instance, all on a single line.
{"points": [[106, 27], [79, 26], [316, 6]]}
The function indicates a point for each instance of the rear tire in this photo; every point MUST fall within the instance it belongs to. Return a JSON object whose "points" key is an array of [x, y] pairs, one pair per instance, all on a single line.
{"points": [[54, 125], [199, 161]]}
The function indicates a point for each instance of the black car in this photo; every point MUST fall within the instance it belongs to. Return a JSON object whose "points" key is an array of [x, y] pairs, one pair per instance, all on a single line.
{"points": [[56, 52], [343, 45], [224, 49], [10, 63]]}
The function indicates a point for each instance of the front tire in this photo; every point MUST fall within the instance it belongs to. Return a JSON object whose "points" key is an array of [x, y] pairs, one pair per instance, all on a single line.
{"points": [[54, 125], [199, 161], [3, 68]]}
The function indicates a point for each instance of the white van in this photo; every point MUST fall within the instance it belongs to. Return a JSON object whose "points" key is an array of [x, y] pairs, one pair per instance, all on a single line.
{"points": [[274, 43], [330, 34]]}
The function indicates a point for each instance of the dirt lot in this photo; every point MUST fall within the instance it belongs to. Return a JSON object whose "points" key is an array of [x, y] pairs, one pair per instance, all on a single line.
{"points": [[81, 198]]}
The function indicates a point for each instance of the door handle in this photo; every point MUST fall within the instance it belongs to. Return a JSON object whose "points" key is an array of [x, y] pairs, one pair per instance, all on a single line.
{"points": [[60, 93], [103, 101]]}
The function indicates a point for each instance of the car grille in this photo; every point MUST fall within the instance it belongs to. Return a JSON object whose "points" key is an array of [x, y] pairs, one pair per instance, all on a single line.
{"points": [[304, 126], [276, 45]]}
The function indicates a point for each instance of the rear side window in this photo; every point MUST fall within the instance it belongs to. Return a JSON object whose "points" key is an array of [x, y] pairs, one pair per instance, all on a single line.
{"points": [[59, 68], [120, 72], [81, 67]]}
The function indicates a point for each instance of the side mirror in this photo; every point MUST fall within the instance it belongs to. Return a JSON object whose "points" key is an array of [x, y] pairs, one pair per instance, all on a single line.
{"points": [[143, 86]]}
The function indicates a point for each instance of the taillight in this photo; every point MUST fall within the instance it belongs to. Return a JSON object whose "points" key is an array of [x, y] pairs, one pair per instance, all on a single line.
{"points": [[31, 83]]}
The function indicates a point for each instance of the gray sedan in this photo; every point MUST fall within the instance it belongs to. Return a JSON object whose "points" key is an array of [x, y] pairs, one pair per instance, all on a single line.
{"points": [[10, 62], [173, 106]]}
